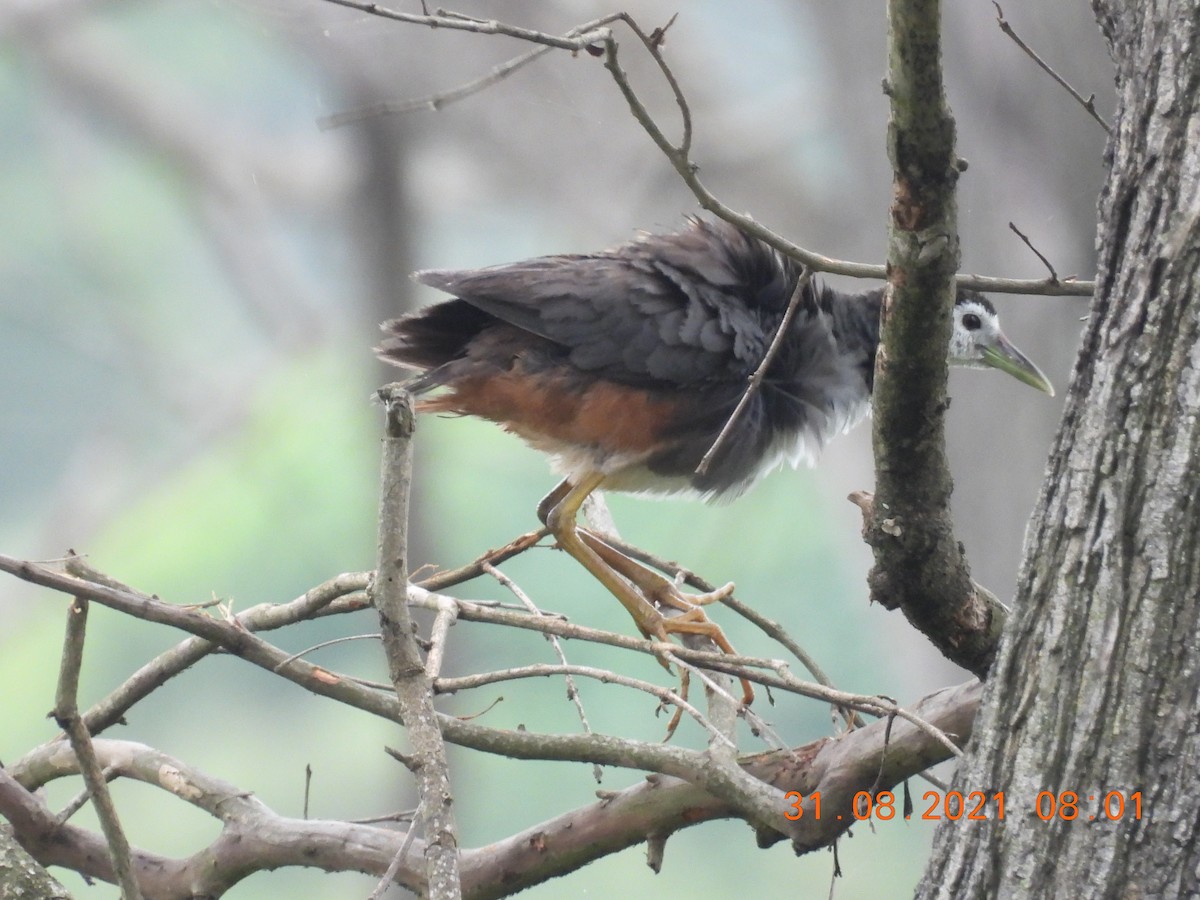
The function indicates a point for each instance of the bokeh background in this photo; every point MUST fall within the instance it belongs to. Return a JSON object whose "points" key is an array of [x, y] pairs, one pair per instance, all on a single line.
{"points": [[191, 276]]}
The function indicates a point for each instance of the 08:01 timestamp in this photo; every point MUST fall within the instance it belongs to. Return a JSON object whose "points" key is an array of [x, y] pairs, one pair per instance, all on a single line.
{"points": [[978, 806]]}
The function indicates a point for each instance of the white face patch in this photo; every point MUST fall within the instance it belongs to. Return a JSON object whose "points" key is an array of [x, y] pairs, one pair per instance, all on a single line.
{"points": [[976, 326]]}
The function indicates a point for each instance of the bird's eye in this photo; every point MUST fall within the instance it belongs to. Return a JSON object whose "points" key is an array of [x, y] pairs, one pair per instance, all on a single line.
{"points": [[971, 322]]}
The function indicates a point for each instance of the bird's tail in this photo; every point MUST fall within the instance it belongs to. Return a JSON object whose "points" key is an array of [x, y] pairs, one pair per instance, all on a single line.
{"points": [[430, 339]]}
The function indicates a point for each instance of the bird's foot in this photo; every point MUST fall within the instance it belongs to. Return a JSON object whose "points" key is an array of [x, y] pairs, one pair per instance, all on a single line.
{"points": [[644, 593], [695, 622], [659, 592], [668, 593], [658, 589]]}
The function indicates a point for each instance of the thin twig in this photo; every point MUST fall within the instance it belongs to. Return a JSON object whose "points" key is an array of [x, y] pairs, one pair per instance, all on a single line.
{"points": [[935, 781], [459, 22], [433, 102], [374, 636], [878, 706], [759, 724], [402, 816], [439, 581], [679, 155], [389, 876], [447, 615], [341, 594], [653, 43], [1089, 104], [307, 788], [78, 566], [66, 714], [572, 689], [1028, 243], [680, 159], [771, 628], [605, 676], [77, 802], [779, 634], [756, 378]]}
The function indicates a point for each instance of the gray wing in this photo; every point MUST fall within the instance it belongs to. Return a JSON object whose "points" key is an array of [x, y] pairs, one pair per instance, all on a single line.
{"points": [[681, 308]]}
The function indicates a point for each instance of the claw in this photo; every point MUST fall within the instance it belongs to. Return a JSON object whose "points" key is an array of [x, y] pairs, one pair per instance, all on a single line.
{"points": [[640, 590]]}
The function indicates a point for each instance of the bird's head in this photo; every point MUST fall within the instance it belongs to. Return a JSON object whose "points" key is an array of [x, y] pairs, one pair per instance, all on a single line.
{"points": [[978, 343]]}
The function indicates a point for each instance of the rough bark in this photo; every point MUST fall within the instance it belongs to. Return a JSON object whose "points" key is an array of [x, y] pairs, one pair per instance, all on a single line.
{"points": [[23, 876], [1095, 687], [414, 689], [920, 566]]}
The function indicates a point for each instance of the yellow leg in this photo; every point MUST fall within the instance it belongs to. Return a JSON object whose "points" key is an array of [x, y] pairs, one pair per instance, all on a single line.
{"points": [[546, 504], [659, 589], [561, 520], [654, 586], [636, 587]]}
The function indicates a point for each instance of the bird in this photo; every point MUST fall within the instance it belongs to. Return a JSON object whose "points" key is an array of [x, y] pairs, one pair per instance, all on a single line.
{"points": [[624, 366]]}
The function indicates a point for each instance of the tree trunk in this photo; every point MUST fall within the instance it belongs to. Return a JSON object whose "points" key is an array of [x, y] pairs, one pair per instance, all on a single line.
{"points": [[23, 876], [1095, 688]]}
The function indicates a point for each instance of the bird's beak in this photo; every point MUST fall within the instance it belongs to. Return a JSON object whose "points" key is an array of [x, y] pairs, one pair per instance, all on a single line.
{"points": [[1004, 356]]}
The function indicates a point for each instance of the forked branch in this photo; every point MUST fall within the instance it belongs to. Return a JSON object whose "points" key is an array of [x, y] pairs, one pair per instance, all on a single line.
{"points": [[596, 38]]}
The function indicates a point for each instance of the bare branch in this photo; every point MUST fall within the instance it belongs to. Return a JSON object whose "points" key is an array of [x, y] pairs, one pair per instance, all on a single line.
{"points": [[1089, 104], [662, 805], [332, 642], [605, 676], [572, 690], [1028, 243], [397, 861], [434, 102], [728, 708], [79, 801], [920, 567], [439, 634], [771, 628], [236, 640], [347, 588], [442, 580], [66, 714], [696, 768], [680, 159], [459, 22], [437, 101], [679, 155], [783, 680], [253, 837], [414, 690]]}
